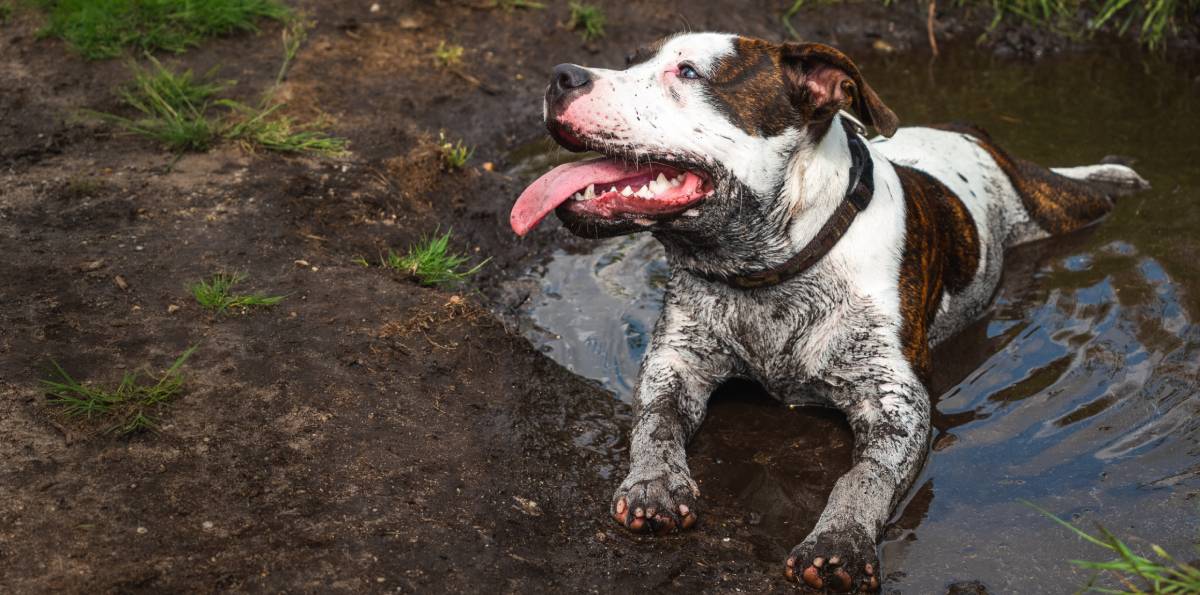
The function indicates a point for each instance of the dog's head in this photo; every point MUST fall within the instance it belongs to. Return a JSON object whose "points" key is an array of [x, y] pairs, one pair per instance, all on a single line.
{"points": [[697, 135]]}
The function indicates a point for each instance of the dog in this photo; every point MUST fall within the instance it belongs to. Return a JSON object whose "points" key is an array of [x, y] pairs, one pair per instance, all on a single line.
{"points": [[802, 256]]}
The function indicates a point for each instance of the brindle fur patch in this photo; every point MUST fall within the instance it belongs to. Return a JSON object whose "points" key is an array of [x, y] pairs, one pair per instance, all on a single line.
{"points": [[748, 88], [1057, 203], [760, 88], [941, 255]]}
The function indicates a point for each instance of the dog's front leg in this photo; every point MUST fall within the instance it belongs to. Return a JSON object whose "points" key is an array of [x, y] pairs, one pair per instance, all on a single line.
{"points": [[890, 419], [679, 373]]}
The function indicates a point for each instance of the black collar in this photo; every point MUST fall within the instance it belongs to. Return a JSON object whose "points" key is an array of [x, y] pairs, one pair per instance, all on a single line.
{"points": [[858, 197]]}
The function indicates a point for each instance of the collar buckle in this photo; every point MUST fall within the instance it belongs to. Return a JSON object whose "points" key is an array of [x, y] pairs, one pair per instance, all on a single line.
{"points": [[859, 127]]}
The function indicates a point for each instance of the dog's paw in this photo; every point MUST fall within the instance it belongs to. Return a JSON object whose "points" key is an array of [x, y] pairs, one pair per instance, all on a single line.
{"points": [[656, 503], [839, 561]]}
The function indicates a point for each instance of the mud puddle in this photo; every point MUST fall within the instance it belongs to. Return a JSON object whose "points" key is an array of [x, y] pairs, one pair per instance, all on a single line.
{"points": [[1077, 391]]}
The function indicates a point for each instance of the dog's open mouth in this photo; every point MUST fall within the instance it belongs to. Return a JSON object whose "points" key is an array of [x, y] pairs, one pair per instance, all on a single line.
{"points": [[609, 189]]}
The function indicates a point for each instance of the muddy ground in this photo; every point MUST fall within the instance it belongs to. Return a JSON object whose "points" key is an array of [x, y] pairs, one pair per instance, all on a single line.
{"points": [[368, 434]]}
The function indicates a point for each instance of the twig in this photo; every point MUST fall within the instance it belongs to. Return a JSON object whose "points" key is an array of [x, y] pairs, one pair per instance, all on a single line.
{"points": [[486, 88], [929, 26]]}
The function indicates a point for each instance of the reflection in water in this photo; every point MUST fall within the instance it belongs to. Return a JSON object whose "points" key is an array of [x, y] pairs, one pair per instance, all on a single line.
{"points": [[1077, 390]]}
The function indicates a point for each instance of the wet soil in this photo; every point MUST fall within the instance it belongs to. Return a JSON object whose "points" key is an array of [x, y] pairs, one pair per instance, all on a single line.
{"points": [[367, 434]]}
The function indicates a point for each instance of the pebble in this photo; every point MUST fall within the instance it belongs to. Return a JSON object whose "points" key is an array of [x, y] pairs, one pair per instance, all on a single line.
{"points": [[90, 266], [142, 530], [375, 7], [171, 309], [528, 506], [207, 525], [121, 282]]}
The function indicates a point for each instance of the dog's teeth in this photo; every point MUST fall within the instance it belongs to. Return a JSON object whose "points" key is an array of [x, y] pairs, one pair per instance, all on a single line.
{"points": [[645, 192], [691, 213], [590, 192], [627, 191], [644, 222], [577, 196], [678, 180], [661, 184], [612, 189]]}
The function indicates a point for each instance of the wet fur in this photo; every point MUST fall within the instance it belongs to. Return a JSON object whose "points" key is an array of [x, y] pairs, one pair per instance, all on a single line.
{"points": [[854, 331]]}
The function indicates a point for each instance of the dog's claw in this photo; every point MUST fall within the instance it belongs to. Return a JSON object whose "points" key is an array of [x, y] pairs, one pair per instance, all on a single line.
{"points": [[688, 518], [844, 582], [620, 512], [812, 577]]}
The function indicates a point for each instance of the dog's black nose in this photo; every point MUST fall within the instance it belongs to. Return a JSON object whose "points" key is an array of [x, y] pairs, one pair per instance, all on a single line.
{"points": [[567, 78]]}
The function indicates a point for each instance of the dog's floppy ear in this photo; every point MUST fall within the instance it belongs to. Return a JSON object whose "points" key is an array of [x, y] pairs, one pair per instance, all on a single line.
{"points": [[821, 80]]}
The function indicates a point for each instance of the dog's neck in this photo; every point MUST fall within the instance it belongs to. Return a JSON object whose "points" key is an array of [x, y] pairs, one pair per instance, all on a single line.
{"points": [[755, 238]]}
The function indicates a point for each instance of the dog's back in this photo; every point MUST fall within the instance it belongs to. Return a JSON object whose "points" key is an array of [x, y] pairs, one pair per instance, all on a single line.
{"points": [[1049, 201], [1009, 201]]}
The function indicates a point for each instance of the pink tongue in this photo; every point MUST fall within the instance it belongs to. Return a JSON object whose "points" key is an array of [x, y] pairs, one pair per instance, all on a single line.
{"points": [[554, 188]]}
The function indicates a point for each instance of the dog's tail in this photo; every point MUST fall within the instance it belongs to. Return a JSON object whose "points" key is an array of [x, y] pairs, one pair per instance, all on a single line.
{"points": [[1112, 174]]}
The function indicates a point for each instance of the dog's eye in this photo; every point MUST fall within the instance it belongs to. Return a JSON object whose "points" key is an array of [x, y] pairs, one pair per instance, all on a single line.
{"points": [[688, 72]]}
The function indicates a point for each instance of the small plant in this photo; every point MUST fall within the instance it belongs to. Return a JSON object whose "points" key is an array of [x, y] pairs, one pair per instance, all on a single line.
{"points": [[431, 262], [587, 19], [509, 5], [172, 107], [447, 56], [1136, 574], [6, 11], [217, 294], [131, 405], [263, 127], [454, 154], [105, 28]]}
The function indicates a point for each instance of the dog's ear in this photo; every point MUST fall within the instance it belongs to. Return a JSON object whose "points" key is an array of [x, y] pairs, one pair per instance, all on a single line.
{"points": [[821, 80]]}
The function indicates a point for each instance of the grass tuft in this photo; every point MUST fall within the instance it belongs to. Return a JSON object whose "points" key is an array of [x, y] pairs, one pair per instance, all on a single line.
{"points": [[431, 263], [454, 154], [6, 11], [131, 406], [510, 5], [1135, 574], [263, 127], [175, 110], [172, 107], [588, 19], [217, 294], [447, 56], [100, 29]]}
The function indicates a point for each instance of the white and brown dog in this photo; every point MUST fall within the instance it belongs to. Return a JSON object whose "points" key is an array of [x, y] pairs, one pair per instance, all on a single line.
{"points": [[820, 265]]}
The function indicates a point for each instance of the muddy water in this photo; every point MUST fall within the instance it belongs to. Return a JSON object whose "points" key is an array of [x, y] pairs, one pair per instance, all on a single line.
{"points": [[1077, 391]]}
